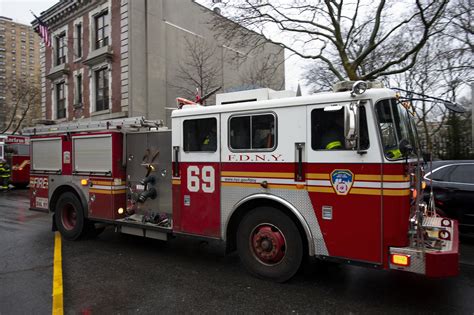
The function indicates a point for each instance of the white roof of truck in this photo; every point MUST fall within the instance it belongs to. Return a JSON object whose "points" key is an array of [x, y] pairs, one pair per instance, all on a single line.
{"points": [[319, 98]]}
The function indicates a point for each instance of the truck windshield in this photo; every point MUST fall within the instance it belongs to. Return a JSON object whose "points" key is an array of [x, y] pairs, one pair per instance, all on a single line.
{"points": [[396, 126]]}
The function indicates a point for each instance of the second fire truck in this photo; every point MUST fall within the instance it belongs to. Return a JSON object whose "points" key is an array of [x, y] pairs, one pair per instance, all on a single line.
{"points": [[15, 151], [336, 176]]}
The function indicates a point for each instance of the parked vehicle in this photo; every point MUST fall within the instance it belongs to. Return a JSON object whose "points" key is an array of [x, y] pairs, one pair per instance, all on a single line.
{"points": [[453, 189]]}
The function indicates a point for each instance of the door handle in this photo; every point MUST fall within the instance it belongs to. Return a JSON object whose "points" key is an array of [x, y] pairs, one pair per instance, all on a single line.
{"points": [[299, 174], [176, 162]]}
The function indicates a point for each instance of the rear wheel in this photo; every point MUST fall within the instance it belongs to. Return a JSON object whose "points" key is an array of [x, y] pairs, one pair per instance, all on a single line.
{"points": [[69, 216], [269, 244]]}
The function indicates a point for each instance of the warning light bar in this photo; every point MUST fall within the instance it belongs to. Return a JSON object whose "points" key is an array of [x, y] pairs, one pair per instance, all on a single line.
{"points": [[400, 260]]}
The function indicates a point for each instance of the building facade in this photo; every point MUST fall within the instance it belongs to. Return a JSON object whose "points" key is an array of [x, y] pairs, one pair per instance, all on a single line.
{"points": [[119, 58], [19, 75]]}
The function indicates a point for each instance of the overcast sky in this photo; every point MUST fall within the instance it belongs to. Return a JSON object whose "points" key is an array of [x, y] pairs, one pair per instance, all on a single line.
{"points": [[19, 10]]}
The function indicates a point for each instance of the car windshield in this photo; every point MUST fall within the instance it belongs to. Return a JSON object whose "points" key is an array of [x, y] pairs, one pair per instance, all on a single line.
{"points": [[396, 127]]}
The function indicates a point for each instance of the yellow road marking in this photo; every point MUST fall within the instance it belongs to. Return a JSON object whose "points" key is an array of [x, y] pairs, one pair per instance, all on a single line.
{"points": [[57, 308]]}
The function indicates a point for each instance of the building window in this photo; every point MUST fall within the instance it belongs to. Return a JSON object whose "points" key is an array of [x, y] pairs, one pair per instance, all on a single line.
{"points": [[101, 89], [60, 100], [78, 40], [61, 49], [101, 30], [78, 89]]}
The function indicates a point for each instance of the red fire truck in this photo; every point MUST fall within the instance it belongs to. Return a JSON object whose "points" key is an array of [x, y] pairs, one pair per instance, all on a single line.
{"points": [[15, 150], [277, 177]]}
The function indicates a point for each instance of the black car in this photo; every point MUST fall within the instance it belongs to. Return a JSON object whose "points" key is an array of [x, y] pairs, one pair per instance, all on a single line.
{"points": [[453, 188]]}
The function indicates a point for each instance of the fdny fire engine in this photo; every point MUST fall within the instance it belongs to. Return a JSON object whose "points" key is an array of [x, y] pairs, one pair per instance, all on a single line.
{"points": [[277, 177], [15, 150]]}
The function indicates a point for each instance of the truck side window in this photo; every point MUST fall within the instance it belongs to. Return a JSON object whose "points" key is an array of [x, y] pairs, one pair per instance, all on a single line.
{"points": [[252, 132], [328, 129], [200, 135]]}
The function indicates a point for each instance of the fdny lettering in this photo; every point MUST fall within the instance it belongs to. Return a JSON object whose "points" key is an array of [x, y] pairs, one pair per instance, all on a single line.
{"points": [[255, 158], [39, 182]]}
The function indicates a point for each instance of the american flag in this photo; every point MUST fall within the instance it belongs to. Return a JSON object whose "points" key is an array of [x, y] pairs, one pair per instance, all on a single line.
{"points": [[43, 31]]}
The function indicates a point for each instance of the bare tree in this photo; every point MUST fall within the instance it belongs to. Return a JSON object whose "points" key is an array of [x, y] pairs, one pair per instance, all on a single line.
{"points": [[461, 28], [263, 73], [359, 40], [24, 96], [201, 68]]}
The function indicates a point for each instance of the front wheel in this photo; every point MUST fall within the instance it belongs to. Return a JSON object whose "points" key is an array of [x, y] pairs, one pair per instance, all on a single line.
{"points": [[269, 244], [69, 216]]}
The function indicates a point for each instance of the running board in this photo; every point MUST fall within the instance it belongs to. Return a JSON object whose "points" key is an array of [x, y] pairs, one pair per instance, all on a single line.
{"points": [[144, 230]]}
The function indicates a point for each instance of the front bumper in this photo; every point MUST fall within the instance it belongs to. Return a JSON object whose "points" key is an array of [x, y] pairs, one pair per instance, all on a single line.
{"points": [[439, 256]]}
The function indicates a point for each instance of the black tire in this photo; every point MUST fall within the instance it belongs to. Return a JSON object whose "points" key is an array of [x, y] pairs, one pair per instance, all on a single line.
{"points": [[69, 215], [260, 245]]}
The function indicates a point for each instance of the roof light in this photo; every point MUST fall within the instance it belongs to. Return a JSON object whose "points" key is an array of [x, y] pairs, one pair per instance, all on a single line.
{"points": [[359, 88], [400, 260]]}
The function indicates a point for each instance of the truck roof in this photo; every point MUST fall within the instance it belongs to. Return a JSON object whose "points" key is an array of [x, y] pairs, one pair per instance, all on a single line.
{"points": [[318, 98]]}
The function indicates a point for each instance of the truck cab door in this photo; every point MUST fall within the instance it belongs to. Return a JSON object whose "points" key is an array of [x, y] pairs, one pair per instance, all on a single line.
{"points": [[344, 185], [198, 209]]}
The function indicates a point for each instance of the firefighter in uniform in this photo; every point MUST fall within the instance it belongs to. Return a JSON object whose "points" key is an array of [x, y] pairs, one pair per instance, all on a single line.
{"points": [[332, 140], [210, 141], [394, 154], [4, 175]]}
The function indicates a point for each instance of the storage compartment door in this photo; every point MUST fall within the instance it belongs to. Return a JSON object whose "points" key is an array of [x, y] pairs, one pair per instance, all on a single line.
{"points": [[46, 154], [93, 154]]}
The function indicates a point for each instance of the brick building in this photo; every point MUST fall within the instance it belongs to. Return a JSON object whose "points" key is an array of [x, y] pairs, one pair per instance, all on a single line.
{"points": [[120, 58], [19, 74]]}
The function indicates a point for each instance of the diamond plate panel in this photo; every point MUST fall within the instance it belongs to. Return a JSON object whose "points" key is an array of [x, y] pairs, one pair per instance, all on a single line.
{"points": [[299, 199]]}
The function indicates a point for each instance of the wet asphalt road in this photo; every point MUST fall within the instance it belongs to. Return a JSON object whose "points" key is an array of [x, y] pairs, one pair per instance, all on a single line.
{"points": [[124, 274]]}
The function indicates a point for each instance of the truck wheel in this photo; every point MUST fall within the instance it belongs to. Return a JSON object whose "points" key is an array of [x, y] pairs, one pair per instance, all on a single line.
{"points": [[69, 216], [269, 244]]}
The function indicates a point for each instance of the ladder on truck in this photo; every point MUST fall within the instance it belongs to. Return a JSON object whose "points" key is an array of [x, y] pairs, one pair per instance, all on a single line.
{"points": [[89, 125]]}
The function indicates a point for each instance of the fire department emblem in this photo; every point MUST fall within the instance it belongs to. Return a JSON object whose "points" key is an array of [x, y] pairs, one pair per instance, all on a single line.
{"points": [[341, 181]]}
